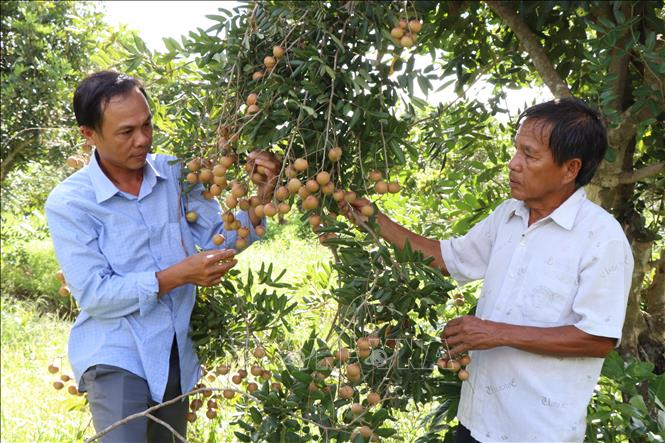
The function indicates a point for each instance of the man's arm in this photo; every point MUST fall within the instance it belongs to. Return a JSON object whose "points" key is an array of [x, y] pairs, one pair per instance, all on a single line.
{"points": [[203, 269], [100, 291], [398, 235], [472, 333]]}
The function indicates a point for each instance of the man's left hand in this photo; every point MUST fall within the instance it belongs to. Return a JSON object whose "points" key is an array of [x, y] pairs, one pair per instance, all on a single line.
{"points": [[265, 167], [469, 333]]}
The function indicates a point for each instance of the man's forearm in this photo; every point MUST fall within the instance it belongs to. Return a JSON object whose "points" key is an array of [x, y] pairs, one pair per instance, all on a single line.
{"points": [[398, 236], [561, 341]]}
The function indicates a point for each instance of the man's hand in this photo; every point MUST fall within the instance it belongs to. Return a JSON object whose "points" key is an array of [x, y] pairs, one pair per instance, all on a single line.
{"points": [[353, 211], [204, 269], [469, 333], [263, 168]]}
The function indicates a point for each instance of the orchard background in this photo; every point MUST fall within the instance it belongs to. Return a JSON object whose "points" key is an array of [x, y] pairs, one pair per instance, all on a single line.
{"points": [[336, 330]]}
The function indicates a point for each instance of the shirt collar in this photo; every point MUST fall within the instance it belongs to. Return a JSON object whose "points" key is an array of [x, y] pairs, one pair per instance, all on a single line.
{"points": [[104, 187], [564, 215]]}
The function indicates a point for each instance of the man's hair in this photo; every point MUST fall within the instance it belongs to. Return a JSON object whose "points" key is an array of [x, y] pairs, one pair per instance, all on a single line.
{"points": [[577, 131], [96, 90]]}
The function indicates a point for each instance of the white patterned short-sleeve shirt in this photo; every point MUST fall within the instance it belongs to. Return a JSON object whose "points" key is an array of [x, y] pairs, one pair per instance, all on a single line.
{"points": [[573, 267]]}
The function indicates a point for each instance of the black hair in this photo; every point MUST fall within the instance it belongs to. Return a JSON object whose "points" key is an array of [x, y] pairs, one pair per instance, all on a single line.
{"points": [[96, 90], [577, 131]]}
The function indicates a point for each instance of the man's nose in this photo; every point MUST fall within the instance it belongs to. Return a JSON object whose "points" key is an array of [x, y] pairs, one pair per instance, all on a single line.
{"points": [[513, 164], [144, 137]]}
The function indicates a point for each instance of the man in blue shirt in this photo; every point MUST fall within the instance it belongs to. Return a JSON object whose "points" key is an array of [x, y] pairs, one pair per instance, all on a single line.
{"points": [[129, 257]]}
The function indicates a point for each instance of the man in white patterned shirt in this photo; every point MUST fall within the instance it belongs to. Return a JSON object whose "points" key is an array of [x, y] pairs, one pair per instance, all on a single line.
{"points": [[557, 272]]}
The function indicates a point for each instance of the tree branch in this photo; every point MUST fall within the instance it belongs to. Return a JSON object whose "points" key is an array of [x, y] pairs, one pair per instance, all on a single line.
{"points": [[641, 174], [529, 42]]}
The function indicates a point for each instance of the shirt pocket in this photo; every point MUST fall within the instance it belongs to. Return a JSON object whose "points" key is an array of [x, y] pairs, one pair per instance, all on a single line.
{"points": [[549, 297]]}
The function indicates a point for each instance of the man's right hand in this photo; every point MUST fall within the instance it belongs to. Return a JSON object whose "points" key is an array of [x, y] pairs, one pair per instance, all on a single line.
{"points": [[204, 269], [352, 211], [208, 267]]}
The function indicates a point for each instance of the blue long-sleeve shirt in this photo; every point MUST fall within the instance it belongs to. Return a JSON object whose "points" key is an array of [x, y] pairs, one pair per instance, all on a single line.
{"points": [[110, 245]]}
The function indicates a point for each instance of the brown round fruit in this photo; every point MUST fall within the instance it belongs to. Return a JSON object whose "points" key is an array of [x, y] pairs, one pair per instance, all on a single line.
{"points": [[323, 178], [442, 364], [269, 61], [64, 291], [357, 409], [342, 355], [376, 175], [252, 387], [465, 360], [222, 370], [58, 385], [258, 75], [381, 187], [194, 164], [60, 276], [192, 178], [453, 365], [415, 26], [256, 370], [367, 211], [282, 193], [72, 390], [346, 392], [191, 417], [365, 431], [394, 187], [463, 374], [406, 41], [277, 52], [276, 386], [252, 109], [397, 32], [270, 210], [191, 216], [374, 398], [236, 379], [218, 239], [335, 154], [363, 343], [260, 231], [300, 164], [312, 186], [293, 185], [251, 99], [353, 371], [310, 202], [211, 413], [259, 352], [228, 393]]}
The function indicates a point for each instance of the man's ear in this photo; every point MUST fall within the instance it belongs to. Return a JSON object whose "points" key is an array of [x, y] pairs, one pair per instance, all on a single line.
{"points": [[89, 134], [571, 169]]}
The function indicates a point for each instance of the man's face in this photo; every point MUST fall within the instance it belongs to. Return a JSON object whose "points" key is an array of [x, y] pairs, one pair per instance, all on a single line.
{"points": [[125, 137], [535, 178]]}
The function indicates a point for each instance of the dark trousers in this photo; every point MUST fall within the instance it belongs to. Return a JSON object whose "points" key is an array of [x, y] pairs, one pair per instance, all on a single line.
{"points": [[463, 435], [114, 393]]}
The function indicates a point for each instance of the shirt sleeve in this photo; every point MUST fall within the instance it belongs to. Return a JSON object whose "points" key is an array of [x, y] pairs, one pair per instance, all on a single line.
{"points": [[209, 222], [604, 286], [467, 257], [97, 289]]}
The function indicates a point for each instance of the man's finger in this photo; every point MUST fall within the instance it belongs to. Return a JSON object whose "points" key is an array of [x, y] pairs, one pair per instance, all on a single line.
{"points": [[220, 254]]}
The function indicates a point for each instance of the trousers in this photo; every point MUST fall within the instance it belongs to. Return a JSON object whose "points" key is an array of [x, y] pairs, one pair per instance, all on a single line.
{"points": [[114, 393]]}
